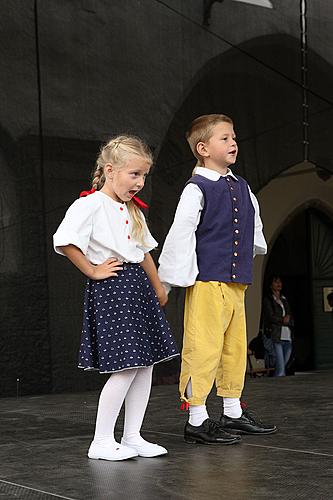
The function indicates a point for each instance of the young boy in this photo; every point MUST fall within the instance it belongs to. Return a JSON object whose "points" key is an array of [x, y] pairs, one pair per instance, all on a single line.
{"points": [[209, 249]]}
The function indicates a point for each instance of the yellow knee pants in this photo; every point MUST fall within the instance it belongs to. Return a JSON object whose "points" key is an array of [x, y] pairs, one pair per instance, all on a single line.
{"points": [[214, 345]]}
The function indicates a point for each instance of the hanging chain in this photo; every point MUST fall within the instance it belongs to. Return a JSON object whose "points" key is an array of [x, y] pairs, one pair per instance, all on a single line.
{"points": [[304, 78]]}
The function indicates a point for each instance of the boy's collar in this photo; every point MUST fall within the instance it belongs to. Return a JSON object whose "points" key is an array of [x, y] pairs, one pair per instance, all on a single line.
{"points": [[213, 175]]}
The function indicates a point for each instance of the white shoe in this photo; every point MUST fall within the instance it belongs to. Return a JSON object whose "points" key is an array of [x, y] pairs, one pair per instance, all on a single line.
{"points": [[146, 449], [111, 451]]}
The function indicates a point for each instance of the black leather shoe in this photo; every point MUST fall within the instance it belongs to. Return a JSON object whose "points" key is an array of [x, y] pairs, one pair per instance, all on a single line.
{"points": [[246, 424], [209, 432]]}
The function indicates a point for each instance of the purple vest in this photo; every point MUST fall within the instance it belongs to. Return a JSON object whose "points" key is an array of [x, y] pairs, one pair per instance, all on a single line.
{"points": [[226, 230]]}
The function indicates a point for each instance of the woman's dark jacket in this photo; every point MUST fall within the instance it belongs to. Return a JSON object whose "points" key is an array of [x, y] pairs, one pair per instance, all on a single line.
{"points": [[273, 317]]}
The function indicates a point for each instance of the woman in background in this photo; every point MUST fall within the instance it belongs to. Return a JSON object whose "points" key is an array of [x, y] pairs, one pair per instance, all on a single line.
{"points": [[278, 323]]}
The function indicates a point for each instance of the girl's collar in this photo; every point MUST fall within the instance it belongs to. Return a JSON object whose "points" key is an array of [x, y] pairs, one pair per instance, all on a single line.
{"points": [[137, 201]]}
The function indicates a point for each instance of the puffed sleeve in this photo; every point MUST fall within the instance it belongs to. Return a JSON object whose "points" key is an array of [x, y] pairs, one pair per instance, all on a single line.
{"points": [[178, 260], [149, 242], [260, 245], [76, 227]]}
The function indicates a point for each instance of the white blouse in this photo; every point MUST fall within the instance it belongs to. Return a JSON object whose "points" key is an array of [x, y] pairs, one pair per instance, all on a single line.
{"points": [[102, 228], [178, 260], [285, 330]]}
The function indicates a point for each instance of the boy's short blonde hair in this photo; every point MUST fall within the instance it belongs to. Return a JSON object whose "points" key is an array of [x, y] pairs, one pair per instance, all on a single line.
{"points": [[201, 130]]}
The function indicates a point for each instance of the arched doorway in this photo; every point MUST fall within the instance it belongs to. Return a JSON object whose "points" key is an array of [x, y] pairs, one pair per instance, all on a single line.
{"points": [[303, 255], [267, 111]]}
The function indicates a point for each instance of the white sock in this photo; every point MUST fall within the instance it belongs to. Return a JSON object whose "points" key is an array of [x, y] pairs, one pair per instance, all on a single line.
{"points": [[136, 402], [110, 403], [232, 407], [197, 415]]}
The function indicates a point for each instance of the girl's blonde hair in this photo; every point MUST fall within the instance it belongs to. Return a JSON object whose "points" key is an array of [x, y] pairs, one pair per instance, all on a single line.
{"points": [[201, 130], [116, 152]]}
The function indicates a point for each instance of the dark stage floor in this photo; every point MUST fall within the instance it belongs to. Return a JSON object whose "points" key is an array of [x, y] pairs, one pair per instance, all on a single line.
{"points": [[44, 441]]}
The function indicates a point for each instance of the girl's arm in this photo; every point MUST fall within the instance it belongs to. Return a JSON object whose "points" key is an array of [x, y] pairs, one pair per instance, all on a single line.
{"points": [[105, 270], [149, 267]]}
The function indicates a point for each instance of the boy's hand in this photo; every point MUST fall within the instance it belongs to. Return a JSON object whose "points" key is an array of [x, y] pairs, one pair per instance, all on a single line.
{"points": [[107, 269]]}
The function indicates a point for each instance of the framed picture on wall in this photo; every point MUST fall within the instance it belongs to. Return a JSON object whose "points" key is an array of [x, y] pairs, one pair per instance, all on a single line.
{"points": [[328, 302]]}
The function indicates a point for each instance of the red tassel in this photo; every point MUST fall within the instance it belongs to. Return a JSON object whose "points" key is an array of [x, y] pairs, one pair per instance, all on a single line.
{"points": [[139, 203], [184, 406], [243, 405], [86, 193]]}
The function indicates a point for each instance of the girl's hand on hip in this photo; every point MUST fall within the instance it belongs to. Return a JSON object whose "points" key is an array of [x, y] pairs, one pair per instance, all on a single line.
{"points": [[107, 269], [162, 296]]}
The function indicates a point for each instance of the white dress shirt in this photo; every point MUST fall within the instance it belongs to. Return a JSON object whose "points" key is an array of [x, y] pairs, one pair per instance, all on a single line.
{"points": [[102, 228], [285, 330], [178, 260]]}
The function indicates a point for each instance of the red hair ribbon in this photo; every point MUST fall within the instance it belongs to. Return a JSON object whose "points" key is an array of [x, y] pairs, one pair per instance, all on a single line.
{"points": [[86, 193], [137, 201]]}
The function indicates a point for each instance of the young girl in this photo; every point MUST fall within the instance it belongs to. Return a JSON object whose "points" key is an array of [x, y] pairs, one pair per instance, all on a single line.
{"points": [[124, 328]]}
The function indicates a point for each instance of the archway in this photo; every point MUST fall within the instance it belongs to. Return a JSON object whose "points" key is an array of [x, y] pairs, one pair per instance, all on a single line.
{"points": [[267, 110], [266, 107], [302, 253]]}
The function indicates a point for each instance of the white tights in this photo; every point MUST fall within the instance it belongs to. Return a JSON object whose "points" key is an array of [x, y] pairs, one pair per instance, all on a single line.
{"points": [[133, 386]]}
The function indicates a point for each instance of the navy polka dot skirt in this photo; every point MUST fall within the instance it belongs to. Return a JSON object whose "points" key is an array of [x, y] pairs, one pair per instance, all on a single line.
{"points": [[123, 324]]}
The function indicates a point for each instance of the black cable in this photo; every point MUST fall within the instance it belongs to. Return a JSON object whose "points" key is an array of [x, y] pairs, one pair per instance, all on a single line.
{"points": [[304, 78]]}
